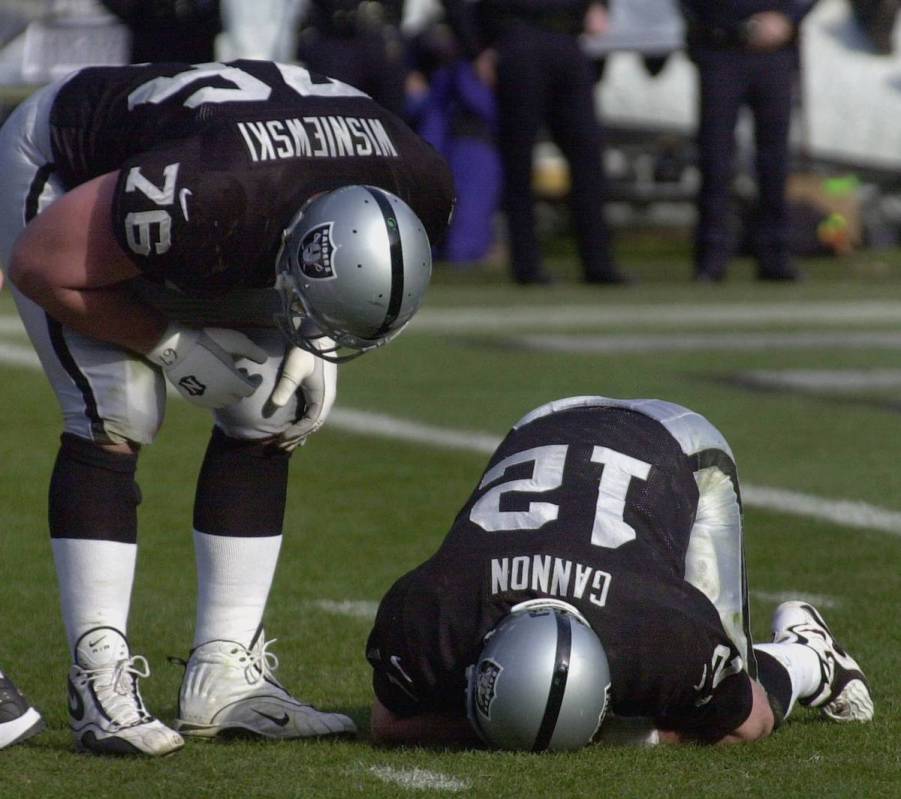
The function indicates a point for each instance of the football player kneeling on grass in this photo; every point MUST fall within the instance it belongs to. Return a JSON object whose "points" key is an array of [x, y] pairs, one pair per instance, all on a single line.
{"points": [[236, 229], [593, 587]]}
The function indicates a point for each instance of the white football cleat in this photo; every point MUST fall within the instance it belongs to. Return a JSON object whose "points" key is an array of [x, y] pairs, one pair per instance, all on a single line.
{"points": [[230, 688], [107, 713], [843, 693], [18, 719]]}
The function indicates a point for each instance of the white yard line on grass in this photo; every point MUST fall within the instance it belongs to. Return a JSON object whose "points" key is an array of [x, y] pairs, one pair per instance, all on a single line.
{"points": [[419, 779], [468, 319], [375, 424], [366, 609], [845, 513], [777, 597], [11, 324], [537, 317], [824, 380], [19, 355], [357, 609], [715, 340], [841, 512]]}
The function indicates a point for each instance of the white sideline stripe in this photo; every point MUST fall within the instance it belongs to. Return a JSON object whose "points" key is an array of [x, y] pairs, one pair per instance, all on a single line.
{"points": [[693, 342], [841, 512], [367, 609], [19, 355], [375, 424], [821, 380], [777, 597], [417, 779], [357, 609], [537, 317], [11, 324], [534, 317], [845, 513]]}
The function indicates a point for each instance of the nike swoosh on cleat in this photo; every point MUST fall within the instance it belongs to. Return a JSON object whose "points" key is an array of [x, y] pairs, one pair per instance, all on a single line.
{"points": [[76, 703], [283, 721]]}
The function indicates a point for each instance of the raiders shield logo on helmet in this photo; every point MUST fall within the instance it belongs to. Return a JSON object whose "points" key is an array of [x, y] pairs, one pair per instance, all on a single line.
{"points": [[316, 252], [486, 677]]}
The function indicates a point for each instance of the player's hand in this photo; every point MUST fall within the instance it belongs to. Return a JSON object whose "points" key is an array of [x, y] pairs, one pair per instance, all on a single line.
{"points": [[597, 20], [317, 381], [769, 30], [201, 364], [485, 67]]}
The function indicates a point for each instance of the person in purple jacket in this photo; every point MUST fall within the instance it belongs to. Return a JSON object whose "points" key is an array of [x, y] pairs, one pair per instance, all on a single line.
{"points": [[456, 112], [746, 53]]}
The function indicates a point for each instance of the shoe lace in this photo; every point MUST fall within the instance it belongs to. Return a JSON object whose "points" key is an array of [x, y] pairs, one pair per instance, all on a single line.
{"points": [[116, 689], [260, 663]]}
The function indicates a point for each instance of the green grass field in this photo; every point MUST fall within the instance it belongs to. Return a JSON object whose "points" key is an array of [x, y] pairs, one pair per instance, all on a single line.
{"points": [[372, 496]]}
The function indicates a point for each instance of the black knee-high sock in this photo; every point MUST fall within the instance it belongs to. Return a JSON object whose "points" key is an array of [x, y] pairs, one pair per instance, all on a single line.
{"points": [[242, 488], [775, 679]]}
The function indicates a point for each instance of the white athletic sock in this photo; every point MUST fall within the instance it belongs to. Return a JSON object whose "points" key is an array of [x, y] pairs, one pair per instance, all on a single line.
{"points": [[802, 665], [95, 581], [234, 576]]}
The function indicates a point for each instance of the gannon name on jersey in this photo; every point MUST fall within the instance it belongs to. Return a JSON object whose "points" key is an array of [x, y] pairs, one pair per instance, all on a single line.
{"points": [[550, 575], [316, 137]]}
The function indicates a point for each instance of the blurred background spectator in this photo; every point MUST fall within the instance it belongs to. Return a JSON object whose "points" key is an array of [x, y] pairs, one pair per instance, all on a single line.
{"points": [[359, 43], [49, 38], [746, 54], [531, 53], [844, 146], [453, 109], [877, 18], [261, 29], [169, 30]]}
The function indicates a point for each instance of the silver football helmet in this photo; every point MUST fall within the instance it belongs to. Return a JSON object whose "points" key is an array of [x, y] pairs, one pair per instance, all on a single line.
{"points": [[354, 266], [541, 682]]}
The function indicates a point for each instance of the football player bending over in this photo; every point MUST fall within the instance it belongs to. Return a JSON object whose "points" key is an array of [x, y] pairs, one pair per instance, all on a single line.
{"points": [[597, 572], [151, 217]]}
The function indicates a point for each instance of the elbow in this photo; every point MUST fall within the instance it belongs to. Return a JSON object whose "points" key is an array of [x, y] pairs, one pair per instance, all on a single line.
{"points": [[23, 276], [381, 725], [30, 279], [760, 721], [378, 733], [754, 729]]}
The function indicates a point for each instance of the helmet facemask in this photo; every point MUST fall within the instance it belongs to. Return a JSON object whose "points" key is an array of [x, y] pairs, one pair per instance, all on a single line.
{"points": [[296, 323]]}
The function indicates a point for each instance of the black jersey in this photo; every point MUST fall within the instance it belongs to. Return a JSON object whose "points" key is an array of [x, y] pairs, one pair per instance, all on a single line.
{"points": [[215, 160], [592, 505]]}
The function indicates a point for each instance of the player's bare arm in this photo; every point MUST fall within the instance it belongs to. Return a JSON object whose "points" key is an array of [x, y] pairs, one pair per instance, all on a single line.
{"points": [[68, 261], [759, 723]]}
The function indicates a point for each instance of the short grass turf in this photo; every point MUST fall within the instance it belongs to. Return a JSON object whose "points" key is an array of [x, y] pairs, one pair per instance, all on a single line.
{"points": [[363, 509]]}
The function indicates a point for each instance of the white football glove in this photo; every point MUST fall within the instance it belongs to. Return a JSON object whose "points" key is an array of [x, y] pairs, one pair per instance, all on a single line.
{"points": [[317, 382], [201, 364]]}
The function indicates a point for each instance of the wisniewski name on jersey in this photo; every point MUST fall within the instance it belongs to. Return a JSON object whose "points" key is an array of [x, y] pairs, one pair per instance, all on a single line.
{"points": [[316, 137]]}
